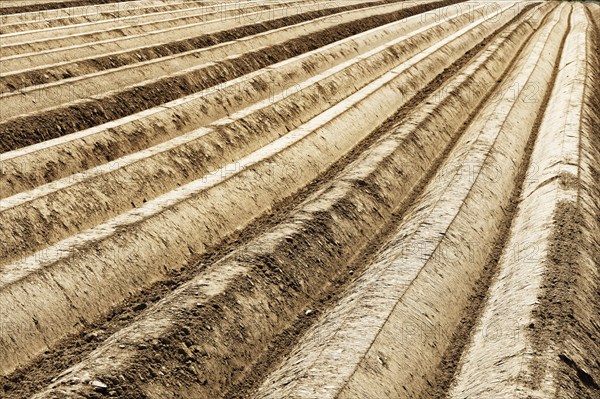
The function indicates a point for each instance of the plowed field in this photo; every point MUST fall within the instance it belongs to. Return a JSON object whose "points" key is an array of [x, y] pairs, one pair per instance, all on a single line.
{"points": [[319, 199]]}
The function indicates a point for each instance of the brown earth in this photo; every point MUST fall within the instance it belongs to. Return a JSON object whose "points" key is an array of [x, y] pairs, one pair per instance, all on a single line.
{"points": [[418, 218]]}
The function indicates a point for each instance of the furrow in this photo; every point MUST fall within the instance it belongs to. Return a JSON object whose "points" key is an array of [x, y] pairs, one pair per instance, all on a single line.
{"points": [[304, 199], [30, 43], [283, 27], [35, 165], [41, 97], [387, 335], [544, 301], [69, 118], [325, 232], [144, 175], [150, 20], [21, 78], [37, 58], [22, 11], [32, 166], [80, 278], [61, 17]]}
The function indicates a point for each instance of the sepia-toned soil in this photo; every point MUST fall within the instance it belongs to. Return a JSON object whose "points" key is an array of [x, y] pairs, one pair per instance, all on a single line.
{"points": [[304, 199]]}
